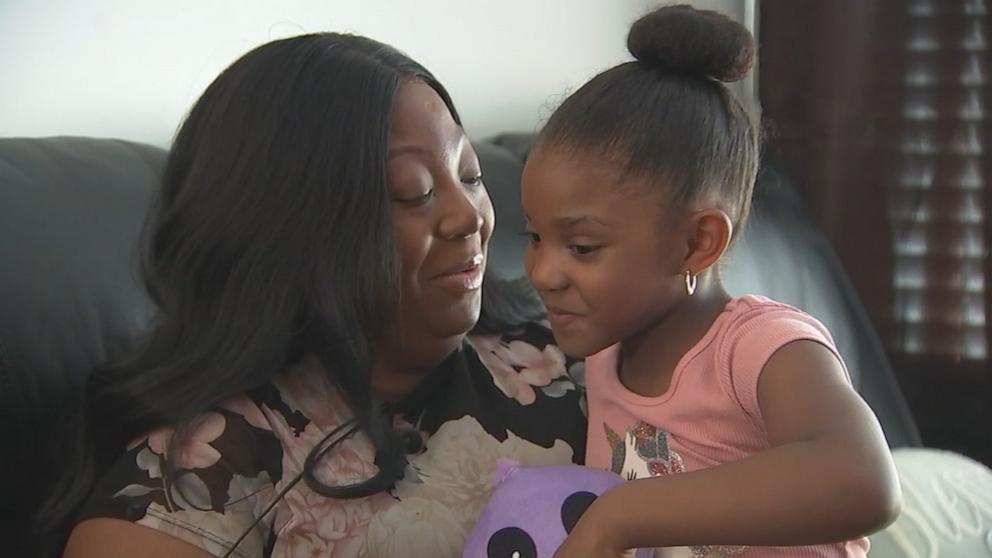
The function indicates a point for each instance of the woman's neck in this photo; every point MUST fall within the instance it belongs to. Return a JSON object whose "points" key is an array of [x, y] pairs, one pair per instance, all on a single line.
{"points": [[397, 369], [648, 358]]}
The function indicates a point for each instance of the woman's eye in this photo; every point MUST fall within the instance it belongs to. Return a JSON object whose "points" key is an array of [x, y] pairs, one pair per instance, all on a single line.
{"points": [[418, 200], [475, 180], [582, 249]]}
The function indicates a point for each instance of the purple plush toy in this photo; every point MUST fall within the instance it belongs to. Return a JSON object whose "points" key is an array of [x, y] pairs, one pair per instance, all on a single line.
{"points": [[533, 509]]}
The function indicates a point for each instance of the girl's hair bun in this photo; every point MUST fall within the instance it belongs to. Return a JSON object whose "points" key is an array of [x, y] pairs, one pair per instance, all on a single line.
{"points": [[686, 40]]}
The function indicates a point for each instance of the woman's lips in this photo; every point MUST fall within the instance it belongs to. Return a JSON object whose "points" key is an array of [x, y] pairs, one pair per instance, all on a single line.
{"points": [[465, 277]]}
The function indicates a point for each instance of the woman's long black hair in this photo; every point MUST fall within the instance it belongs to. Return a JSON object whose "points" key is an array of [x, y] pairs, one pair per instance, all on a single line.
{"points": [[270, 238]]}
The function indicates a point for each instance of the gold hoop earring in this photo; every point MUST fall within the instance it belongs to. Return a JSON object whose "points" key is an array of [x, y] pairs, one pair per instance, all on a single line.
{"points": [[690, 282]]}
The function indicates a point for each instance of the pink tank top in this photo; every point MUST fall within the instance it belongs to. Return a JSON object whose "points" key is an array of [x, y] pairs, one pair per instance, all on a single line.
{"points": [[709, 414]]}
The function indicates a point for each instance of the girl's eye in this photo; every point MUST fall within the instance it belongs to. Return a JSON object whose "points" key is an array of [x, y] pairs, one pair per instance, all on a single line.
{"points": [[419, 200], [475, 180], [532, 237], [582, 249]]}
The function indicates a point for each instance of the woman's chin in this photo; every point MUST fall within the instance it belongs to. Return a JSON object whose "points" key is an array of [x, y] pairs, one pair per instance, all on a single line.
{"points": [[457, 319]]}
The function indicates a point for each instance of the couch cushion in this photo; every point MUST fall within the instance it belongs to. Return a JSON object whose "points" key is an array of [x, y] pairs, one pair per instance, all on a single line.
{"points": [[501, 170], [71, 210]]}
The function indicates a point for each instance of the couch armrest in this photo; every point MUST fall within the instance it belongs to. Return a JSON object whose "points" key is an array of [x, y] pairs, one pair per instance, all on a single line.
{"points": [[947, 508]]}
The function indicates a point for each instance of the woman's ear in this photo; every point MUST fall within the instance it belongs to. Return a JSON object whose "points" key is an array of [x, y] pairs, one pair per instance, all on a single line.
{"points": [[709, 236]]}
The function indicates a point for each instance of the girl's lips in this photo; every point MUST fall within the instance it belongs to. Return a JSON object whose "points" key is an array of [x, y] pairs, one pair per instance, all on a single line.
{"points": [[561, 318]]}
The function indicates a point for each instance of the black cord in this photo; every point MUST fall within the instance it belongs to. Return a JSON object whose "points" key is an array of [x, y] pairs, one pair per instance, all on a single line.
{"points": [[352, 425], [390, 457], [391, 461]]}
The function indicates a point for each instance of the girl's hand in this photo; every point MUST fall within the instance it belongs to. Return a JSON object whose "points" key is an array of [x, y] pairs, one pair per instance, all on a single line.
{"points": [[577, 550], [573, 548], [590, 539]]}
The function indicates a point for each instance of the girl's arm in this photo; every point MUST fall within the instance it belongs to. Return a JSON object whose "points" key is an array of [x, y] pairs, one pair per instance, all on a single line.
{"points": [[828, 476]]}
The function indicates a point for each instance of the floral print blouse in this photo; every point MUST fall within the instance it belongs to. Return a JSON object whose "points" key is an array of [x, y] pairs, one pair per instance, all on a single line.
{"points": [[501, 396]]}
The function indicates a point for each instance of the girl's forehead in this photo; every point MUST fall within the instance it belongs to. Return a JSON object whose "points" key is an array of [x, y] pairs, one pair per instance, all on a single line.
{"points": [[581, 164], [565, 182]]}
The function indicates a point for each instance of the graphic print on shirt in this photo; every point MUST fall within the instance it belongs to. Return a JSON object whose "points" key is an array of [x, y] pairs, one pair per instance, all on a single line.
{"points": [[642, 452]]}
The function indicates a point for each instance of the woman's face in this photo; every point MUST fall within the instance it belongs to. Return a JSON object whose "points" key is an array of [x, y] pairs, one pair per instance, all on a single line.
{"points": [[442, 217]]}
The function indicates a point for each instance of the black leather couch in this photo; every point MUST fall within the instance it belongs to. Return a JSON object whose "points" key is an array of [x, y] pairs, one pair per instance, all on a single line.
{"points": [[71, 210]]}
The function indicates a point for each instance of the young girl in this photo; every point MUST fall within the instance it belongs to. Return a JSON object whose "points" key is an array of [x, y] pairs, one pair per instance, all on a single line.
{"points": [[734, 418]]}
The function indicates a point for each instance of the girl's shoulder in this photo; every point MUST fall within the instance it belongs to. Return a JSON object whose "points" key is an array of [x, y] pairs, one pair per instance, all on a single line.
{"points": [[754, 328], [755, 319]]}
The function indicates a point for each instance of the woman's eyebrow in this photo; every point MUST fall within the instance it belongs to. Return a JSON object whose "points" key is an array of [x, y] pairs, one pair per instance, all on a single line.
{"points": [[405, 149]]}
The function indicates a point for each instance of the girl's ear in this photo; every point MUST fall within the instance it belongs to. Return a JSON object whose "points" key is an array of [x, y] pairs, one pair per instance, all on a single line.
{"points": [[709, 236]]}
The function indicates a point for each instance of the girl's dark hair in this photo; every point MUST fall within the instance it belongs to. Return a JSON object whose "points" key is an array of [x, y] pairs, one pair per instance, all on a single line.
{"points": [[667, 117], [271, 237]]}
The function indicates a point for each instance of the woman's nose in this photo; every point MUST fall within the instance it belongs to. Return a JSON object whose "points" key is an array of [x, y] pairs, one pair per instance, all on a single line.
{"points": [[461, 217]]}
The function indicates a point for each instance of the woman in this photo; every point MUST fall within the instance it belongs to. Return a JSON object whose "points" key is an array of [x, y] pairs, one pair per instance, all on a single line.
{"points": [[309, 388]]}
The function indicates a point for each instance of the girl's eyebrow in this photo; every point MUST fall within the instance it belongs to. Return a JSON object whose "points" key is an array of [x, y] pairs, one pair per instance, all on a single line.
{"points": [[572, 221], [576, 220]]}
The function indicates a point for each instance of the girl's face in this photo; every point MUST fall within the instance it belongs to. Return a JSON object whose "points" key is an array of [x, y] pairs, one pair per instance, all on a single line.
{"points": [[603, 257], [442, 217]]}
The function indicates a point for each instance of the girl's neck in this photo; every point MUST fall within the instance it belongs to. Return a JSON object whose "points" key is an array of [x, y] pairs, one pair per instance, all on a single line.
{"points": [[648, 358]]}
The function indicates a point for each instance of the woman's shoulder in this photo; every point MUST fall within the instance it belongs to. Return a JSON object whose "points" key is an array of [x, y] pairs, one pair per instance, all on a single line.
{"points": [[206, 483], [526, 364]]}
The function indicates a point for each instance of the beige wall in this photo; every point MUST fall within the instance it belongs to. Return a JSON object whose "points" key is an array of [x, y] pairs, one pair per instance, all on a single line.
{"points": [[131, 68]]}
